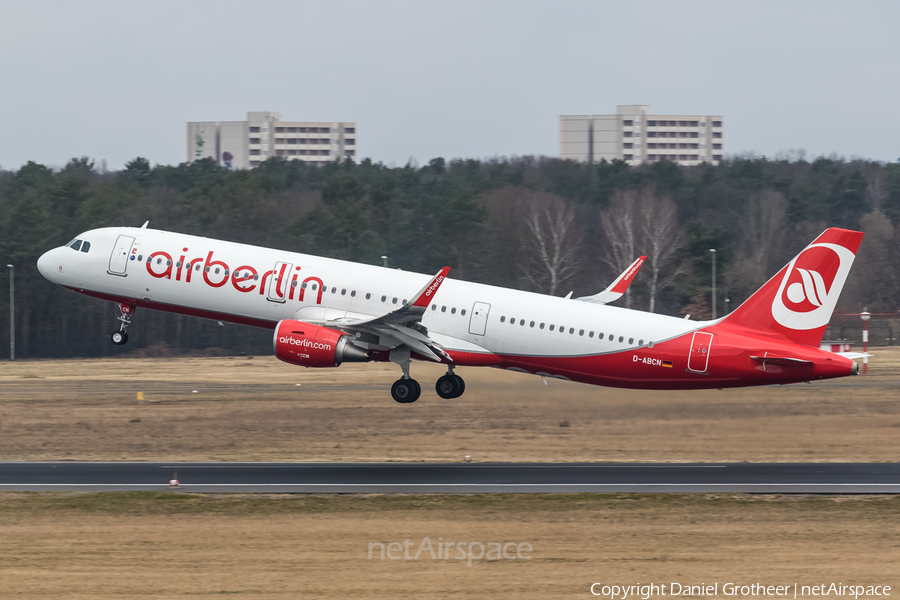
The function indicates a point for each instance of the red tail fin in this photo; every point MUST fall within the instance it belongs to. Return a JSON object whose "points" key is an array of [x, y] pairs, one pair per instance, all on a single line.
{"points": [[799, 300]]}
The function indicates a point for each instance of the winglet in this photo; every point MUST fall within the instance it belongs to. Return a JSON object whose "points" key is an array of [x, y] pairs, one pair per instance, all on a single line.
{"points": [[617, 288], [426, 294]]}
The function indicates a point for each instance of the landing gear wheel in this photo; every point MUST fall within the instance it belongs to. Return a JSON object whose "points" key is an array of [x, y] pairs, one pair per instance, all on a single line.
{"points": [[406, 391], [462, 385], [119, 338], [447, 387]]}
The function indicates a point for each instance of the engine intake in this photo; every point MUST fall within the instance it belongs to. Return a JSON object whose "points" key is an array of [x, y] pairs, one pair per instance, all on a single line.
{"points": [[309, 345]]}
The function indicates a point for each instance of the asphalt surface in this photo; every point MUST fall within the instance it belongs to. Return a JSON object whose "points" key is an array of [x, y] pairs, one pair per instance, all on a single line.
{"points": [[847, 478]]}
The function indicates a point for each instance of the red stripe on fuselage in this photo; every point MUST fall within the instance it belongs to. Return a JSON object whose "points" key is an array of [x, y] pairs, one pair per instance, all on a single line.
{"points": [[181, 310]]}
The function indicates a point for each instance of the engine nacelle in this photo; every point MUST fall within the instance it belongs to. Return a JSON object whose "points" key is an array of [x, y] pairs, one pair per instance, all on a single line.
{"points": [[309, 345]]}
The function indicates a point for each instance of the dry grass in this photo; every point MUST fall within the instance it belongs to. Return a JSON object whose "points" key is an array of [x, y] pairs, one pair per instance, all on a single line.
{"points": [[161, 546], [252, 409]]}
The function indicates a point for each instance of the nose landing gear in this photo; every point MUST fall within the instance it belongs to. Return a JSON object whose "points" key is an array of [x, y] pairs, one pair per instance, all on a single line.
{"points": [[120, 337]]}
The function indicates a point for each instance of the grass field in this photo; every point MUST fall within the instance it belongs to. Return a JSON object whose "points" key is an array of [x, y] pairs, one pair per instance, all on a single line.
{"points": [[157, 545], [257, 408]]}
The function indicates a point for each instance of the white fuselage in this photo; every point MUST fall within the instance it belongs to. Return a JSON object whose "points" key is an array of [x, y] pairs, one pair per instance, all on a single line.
{"points": [[466, 317]]}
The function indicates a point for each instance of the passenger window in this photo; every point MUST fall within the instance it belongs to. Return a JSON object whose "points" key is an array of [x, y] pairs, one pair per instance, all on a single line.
{"points": [[313, 285], [512, 320], [640, 342], [384, 298], [541, 325], [303, 285], [562, 329], [621, 339], [368, 295], [532, 324], [86, 246], [256, 278], [434, 307], [293, 284], [178, 264], [581, 332], [334, 290], [344, 292], [227, 271], [591, 334], [353, 294], [463, 312], [76, 246], [650, 345], [571, 330], [198, 267], [443, 309], [141, 257], [612, 337], [206, 270], [551, 327], [453, 311], [630, 340], [600, 337], [404, 301], [503, 319], [395, 301], [217, 270]]}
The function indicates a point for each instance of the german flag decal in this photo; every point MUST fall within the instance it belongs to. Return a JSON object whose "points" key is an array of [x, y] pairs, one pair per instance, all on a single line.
{"points": [[667, 363]]}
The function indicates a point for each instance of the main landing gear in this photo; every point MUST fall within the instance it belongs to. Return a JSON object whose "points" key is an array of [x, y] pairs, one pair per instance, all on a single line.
{"points": [[450, 385], [120, 337], [407, 390]]}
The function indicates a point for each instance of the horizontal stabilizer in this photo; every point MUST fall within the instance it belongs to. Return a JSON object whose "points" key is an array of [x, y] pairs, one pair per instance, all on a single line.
{"points": [[783, 361], [852, 355]]}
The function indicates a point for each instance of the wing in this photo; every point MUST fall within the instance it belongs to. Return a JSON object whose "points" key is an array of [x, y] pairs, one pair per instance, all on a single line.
{"points": [[617, 288], [401, 327]]}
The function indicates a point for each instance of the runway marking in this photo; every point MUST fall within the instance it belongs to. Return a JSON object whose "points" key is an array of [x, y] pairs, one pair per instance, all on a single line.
{"points": [[194, 485]]}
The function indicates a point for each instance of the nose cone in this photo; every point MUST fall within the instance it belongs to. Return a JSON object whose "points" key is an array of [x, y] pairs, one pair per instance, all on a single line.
{"points": [[47, 264]]}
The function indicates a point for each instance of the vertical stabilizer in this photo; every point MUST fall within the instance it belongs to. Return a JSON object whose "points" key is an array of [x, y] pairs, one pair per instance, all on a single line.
{"points": [[799, 301]]}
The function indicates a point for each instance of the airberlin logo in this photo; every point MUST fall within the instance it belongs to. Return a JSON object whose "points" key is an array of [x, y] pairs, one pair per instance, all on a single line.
{"points": [[434, 285], [303, 342], [811, 285]]}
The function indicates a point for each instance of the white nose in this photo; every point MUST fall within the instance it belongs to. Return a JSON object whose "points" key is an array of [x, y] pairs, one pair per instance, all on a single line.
{"points": [[47, 264]]}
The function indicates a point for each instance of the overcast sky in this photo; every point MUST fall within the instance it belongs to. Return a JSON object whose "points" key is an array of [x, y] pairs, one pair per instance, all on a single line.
{"points": [[115, 80]]}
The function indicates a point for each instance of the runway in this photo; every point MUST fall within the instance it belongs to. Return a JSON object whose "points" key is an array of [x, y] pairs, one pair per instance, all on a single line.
{"points": [[421, 478]]}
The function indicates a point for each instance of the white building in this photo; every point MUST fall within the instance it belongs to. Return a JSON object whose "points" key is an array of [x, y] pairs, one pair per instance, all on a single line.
{"points": [[244, 144], [636, 136]]}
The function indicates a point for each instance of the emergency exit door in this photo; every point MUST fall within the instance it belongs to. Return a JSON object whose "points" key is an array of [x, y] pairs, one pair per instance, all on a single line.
{"points": [[278, 282], [701, 343], [478, 321]]}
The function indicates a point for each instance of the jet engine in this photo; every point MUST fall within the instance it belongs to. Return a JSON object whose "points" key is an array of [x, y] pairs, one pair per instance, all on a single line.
{"points": [[309, 345]]}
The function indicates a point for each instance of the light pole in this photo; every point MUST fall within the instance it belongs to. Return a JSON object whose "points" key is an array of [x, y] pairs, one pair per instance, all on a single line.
{"points": [[713, 251], [12, 312], [384, 260]]}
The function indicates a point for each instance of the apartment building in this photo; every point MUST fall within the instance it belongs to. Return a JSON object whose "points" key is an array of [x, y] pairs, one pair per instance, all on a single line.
{"points": [[245, 144], [636, 136]]}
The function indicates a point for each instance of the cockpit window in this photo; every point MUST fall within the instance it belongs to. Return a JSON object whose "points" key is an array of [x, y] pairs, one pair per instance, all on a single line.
{"points": [[76, 245], [85, 247]]}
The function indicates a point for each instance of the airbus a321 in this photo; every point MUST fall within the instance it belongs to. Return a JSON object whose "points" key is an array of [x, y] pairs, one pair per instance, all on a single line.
{"points": [[327, 312]]}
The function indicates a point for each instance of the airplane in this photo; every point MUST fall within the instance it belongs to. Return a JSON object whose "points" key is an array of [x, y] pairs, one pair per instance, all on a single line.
{"points": [[327, 312]]}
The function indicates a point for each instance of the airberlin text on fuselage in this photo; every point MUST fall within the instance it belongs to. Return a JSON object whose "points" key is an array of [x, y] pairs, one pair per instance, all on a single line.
{"points": [[216, 273]]}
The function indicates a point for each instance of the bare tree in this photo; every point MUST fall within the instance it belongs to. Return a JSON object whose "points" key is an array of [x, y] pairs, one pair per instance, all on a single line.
{"points": [[552, 245], [762, 243], [620, 230], [660, 238]]}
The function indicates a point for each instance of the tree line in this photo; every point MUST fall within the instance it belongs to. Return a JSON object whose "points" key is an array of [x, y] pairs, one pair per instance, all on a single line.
{"points": [[540, 224]]}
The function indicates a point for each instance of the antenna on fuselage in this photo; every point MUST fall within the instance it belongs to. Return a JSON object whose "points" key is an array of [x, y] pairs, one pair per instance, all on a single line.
{"points": [[144, 226]]}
